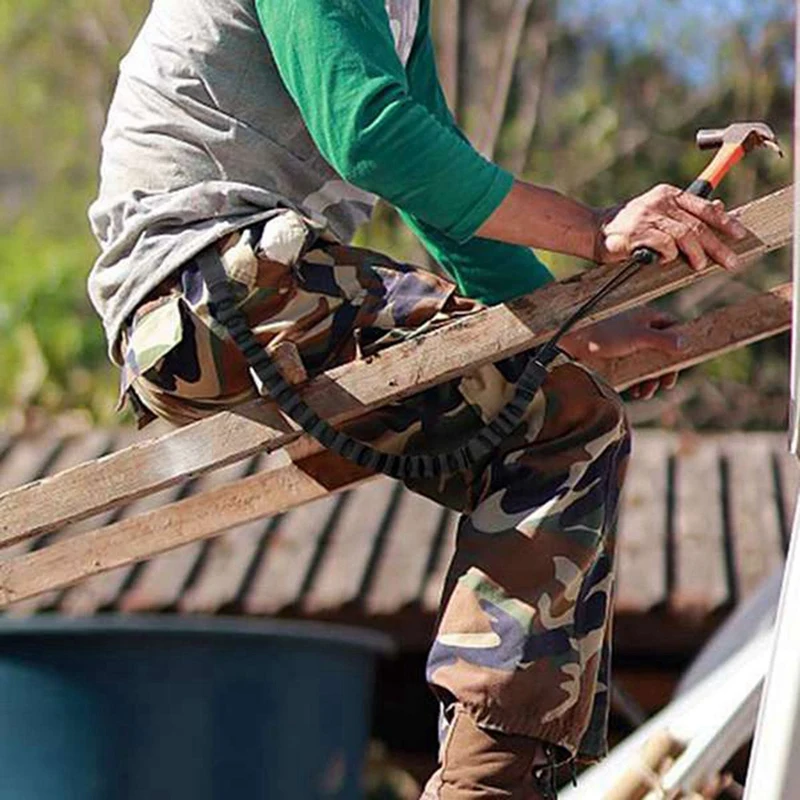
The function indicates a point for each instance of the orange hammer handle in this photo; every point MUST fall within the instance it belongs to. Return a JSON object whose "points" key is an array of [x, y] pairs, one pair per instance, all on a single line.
{"points": [[727, 156]]}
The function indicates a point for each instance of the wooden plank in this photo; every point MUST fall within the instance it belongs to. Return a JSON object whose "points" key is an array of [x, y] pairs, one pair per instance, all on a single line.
{"points": [[712, 335], [127, 541], [642, 544], [401, 570], [348, 391], [432, 591], [103, 590], [75, 451], [303, 446], [754, 510], [161, 580], [701, 581], [343, 570], [290, 556]]}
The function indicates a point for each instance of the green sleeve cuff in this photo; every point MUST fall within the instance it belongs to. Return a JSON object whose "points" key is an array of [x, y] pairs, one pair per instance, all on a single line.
{"points": [[496, 192]]}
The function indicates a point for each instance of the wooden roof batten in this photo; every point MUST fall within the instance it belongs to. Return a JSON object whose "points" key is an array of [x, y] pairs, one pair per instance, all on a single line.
{"points": [[328, 561], [298, 471]]}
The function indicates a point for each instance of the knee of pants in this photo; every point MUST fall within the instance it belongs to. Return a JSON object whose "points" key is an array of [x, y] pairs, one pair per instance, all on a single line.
{"points": [[579, 401]]}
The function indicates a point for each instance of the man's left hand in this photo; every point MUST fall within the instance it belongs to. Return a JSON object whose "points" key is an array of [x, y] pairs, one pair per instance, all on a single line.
{"points": [[625, 334]]}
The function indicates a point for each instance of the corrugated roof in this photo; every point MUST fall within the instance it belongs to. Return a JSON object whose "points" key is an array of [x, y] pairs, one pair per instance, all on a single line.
{"points": [[704, 519]]}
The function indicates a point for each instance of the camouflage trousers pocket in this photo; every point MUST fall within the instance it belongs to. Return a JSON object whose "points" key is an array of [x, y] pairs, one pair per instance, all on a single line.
{"points": [[523, 639], [327, 299]]}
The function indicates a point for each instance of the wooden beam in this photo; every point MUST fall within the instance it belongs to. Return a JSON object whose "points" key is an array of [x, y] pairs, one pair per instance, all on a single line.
{"points": [[189, 520], [707, 337], [353, 389], [313, 474]]}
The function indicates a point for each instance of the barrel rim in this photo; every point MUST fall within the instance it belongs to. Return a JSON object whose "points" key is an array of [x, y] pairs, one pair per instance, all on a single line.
{"points": [[296, 630]]}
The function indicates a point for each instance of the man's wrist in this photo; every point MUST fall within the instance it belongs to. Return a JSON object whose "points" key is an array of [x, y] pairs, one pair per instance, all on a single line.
{"points": [[539, 217], [602, 217]]}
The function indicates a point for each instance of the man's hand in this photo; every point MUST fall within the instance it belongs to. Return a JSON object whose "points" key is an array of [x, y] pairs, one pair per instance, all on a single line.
{"points": [[627, 333], [671, 222], [666, 219]]}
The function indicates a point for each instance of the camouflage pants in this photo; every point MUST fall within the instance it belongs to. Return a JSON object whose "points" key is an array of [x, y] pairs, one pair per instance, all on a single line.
{"points": [[523, 637]]}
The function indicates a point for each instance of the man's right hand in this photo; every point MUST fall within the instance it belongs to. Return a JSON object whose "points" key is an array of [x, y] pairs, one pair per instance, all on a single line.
{"points": [[666, 219], [672, 222]]}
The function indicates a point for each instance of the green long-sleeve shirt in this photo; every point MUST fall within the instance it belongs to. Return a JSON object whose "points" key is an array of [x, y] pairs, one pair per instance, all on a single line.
{"points": [[386, 128]]}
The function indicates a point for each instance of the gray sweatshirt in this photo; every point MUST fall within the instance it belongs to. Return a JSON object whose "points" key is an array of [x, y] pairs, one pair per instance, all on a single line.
{"points": [[202, 139]]}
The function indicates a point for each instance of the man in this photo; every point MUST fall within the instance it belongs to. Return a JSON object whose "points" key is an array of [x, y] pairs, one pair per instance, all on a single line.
{"points": [[264, 129]]}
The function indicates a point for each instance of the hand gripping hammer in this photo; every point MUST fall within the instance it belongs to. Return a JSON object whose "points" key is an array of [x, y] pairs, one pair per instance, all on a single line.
{"points": [[734, 143]]}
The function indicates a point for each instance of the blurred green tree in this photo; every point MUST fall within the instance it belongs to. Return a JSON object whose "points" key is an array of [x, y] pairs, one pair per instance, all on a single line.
{"points": [[59, 64]]}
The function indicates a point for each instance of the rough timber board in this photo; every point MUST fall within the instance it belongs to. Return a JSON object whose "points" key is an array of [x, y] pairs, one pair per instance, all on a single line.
{"points": [[642, 552], [244, 515], [276, 562], [345, 392], [162, 579], [701, 580], [712, 335], [186, 521], [104, 590], [76, 451]]}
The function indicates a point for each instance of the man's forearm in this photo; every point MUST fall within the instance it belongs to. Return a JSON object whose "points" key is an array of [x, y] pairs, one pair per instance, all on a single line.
{"points": [[665, 219], [543, 218]]}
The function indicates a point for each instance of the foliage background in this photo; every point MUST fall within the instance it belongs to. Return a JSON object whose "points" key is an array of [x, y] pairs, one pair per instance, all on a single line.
{"points": [[599, 99]]}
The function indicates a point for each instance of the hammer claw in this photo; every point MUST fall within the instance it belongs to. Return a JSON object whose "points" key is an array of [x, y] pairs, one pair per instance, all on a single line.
{"points": [[775, 146]]}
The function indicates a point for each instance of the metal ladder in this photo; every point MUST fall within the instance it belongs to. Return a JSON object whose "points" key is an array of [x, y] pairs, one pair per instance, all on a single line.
{"points": [[774, 772]]}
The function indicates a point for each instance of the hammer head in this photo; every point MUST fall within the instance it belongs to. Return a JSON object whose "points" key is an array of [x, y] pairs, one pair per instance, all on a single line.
{"points": [[747, 134]]}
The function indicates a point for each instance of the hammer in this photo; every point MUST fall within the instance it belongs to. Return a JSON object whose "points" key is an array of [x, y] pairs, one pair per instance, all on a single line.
{"points": [[734, 143]]}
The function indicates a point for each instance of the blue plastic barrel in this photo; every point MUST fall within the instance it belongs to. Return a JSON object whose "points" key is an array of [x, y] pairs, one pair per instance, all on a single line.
{"points": [[176, 708]]}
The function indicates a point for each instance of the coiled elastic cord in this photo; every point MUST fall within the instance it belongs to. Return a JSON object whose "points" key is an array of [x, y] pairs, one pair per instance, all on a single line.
{"points": [[484, 442]]}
